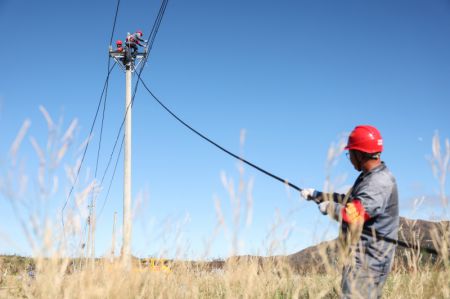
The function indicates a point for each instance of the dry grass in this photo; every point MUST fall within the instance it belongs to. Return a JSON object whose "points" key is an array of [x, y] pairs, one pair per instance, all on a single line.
{"points": [[243, 279]]}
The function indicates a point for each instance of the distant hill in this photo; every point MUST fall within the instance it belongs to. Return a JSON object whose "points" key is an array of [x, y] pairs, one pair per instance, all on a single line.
{"points": [[420, 233], [318, 258]]}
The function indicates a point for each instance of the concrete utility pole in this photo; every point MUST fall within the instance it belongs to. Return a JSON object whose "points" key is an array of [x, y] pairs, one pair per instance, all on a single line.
{"points": [[113, 242], [126, 246], [88, 243], [93, 228], [128, 60]]}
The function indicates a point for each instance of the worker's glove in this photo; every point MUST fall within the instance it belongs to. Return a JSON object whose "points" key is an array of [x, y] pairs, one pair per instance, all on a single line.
{"points": [[309, 193], [323, 207]]}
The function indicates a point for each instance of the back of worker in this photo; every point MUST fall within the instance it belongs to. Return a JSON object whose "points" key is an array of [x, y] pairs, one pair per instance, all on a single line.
{"points": [[372, 256], [369, 217]]}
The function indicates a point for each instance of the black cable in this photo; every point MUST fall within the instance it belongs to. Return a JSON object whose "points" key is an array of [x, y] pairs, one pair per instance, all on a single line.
{"points": [[156, 25], [106, 93], [112, 178], [114, 24], [87, 145], [101, 129], [218, 146], [105, 89], [369, 232], [129, 106]]}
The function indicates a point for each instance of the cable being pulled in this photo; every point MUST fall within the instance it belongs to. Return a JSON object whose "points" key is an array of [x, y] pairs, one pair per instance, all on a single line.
{"points": [[284, 181]]}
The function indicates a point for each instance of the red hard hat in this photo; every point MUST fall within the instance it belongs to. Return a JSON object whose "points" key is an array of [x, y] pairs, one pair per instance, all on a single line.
{"points": [[140, 32], [119, 42], [366, 139]]}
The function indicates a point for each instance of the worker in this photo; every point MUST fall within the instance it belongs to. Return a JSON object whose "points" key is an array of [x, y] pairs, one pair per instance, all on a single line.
{"points": [[135, 39], [368, 216], [119, 46]]}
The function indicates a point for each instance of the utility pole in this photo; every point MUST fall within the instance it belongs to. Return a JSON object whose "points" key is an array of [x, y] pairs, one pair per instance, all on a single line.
{"points": [[90, 248], [93, 228], [113, 242], [128, 60], [126, 246], [88, 245]]}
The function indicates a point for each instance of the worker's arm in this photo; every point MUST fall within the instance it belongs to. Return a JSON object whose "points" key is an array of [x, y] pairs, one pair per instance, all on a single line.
{"points": [[352, 213], [140, 40], [319, 196], [335, 197], [367, 200]]}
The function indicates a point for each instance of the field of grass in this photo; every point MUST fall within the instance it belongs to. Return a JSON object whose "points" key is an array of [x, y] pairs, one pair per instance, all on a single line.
{"points": [[54, 278]]}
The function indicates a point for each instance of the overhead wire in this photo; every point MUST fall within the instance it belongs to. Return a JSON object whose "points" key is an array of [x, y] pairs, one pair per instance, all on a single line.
{"points": [[105, 91], [111, 180], [106, 94], [284, 181], [103, 114], [86, 147], [156, 24], [114, 23]]}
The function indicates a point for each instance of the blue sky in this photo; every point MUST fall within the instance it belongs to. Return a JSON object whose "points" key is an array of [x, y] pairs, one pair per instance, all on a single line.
{"points": [[295, 75]]}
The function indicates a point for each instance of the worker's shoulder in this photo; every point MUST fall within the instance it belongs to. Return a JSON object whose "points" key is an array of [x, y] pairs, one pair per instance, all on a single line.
{"points": [[382, 176]]}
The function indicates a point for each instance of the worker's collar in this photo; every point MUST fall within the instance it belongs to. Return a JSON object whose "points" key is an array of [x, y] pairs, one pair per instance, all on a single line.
{"points": [[377, 168]]}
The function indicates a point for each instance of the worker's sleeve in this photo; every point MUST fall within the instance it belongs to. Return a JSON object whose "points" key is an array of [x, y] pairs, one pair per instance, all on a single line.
{"points": [[336, 197], [373, 196], [352, 212], [368, 201]]}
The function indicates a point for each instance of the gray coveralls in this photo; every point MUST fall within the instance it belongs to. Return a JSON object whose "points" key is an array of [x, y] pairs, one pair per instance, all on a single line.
{"points": [[371, 257]]}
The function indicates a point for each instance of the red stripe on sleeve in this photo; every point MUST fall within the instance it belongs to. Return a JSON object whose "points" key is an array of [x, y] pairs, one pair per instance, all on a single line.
{"points": [[354, 212]]}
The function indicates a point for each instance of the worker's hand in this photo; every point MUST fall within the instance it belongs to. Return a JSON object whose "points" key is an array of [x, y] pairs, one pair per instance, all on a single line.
{"points": [[308, 193], [324, 207]]}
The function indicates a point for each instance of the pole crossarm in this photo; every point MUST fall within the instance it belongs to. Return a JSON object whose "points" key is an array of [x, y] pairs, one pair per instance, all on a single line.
{"points": [[124, 58]]}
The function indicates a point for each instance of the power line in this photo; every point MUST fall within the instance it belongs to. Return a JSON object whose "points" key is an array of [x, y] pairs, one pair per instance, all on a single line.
{"points": [[284, 181], [101, 130], [157, 23], [87, 145], [112, 178], [114, 23], [105, 87], [104, 103], [106, 94]]}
